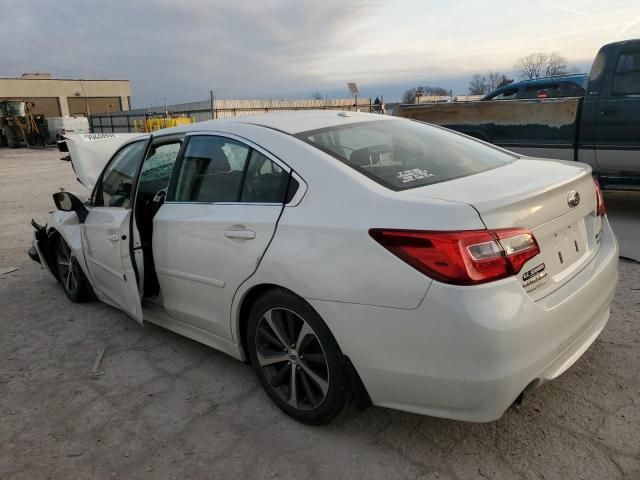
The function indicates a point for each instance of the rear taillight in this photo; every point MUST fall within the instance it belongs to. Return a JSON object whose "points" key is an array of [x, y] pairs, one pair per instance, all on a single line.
{"points": [[600, 210], [466, 257]]}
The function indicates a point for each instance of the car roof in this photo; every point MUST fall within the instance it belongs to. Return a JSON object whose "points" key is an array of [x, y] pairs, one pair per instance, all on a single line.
{"points": [[579, 78], [288, 122]]}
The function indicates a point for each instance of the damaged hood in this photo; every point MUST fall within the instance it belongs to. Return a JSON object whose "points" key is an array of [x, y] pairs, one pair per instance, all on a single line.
{"points": [[90, 152]]}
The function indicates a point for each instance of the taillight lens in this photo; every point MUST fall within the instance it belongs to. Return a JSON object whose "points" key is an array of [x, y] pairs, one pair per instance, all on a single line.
{"points": [[466, 257], [600, 210]]}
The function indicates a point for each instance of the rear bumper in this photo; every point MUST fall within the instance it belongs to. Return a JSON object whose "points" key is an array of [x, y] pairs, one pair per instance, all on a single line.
{"points": [[468, 352]]}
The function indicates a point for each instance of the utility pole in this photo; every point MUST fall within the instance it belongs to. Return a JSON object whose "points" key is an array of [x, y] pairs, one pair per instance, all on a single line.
{"points": [[213, 111]]}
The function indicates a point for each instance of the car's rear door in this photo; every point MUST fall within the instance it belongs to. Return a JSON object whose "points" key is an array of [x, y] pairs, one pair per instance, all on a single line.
{"points": [[106, 231], [222, 207], [617, 128]]}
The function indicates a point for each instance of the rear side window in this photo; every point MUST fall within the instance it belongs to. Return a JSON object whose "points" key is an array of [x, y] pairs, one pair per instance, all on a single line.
{"points": [[403, 154], [627, 79], [571, 89], [265, 181], [551, 90], [211, 170]]}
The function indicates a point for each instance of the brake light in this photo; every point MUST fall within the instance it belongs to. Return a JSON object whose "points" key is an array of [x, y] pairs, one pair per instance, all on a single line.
{"points": [[466, 257], [600, 210]]}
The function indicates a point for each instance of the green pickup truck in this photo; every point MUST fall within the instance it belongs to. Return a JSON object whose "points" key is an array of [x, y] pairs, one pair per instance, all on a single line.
{"points": [[601, 129]]}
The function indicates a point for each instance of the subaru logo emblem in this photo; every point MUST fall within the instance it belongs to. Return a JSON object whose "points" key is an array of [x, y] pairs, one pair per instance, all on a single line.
{"points": [[573, 199]]}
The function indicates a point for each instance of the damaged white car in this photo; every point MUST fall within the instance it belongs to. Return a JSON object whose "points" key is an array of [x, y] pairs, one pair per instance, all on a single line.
{"points": [[345, 256]]}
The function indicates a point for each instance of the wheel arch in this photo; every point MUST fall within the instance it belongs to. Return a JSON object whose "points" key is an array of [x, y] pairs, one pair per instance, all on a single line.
{"points": [[66, 226], [251, 295], [245, 303]]}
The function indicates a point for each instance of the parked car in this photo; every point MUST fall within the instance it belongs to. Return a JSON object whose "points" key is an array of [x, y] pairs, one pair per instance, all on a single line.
{"points": [[573, 85], [344, 256], [601, 129]]}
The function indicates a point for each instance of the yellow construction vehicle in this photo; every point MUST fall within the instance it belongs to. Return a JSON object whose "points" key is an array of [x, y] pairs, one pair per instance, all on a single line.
{"points": [[18, 125], [154, 122]]}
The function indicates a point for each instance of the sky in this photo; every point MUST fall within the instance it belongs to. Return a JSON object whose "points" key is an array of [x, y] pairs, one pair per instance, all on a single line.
{"points": [[182, 49]]}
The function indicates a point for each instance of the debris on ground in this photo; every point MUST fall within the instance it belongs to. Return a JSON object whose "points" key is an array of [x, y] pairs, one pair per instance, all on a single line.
{"points": [[95, 372]]}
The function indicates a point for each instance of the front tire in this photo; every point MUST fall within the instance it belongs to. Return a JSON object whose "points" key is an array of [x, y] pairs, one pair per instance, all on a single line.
{"points": [[70, 275], [296, 358]]}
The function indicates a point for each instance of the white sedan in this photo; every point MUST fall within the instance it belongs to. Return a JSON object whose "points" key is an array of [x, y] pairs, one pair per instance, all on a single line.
{"points": [[344, 256]]}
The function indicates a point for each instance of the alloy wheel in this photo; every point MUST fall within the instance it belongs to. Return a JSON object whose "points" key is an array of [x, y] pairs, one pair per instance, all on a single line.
{"points": [[292, 358], [67, 267]]}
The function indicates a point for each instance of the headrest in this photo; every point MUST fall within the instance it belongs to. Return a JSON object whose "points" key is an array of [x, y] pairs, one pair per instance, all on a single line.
{"points": [[219, 162], [364, 157]]}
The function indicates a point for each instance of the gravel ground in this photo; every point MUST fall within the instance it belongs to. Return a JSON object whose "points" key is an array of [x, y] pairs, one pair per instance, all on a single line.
{"points": [[166, 407]]}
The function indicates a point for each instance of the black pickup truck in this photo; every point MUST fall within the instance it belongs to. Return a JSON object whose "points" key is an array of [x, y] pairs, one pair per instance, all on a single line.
{"points": [[601, 129]]}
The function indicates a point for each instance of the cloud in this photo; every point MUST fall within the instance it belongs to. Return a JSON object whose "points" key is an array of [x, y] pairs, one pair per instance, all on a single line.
{"points": [[267, 48], [181, 50]]}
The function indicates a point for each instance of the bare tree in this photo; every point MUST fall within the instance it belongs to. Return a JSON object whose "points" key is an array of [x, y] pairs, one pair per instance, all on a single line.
{"points": [[557, 64], [532, 66], [497, 79], [479, 85], [316, 96], [409, 96], [505, 81], [538, 65]]}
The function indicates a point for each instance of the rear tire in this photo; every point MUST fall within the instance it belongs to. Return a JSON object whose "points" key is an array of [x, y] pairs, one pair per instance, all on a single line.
{"points": [[70, 275], [296, 358]]}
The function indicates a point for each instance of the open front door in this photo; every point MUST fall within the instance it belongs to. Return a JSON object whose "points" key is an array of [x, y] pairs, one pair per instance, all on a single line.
{"points": [[107, 232], [108, 255]]}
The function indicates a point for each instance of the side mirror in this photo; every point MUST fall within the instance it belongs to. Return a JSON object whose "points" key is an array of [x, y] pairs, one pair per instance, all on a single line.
{"points": [[69, 202]]}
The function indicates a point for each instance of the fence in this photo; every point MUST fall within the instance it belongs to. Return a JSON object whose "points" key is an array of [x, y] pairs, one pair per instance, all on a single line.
{"points": [[122, 122]]}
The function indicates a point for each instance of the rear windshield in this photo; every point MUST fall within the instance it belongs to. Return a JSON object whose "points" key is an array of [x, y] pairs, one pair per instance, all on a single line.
{"points": [[406, 154]]}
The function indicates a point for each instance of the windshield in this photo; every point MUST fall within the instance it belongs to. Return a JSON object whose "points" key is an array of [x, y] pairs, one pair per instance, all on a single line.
{"points": [[406, 154]]}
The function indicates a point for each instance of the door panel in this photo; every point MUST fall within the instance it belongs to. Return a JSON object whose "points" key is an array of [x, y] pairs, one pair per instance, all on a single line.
{"points": [[106, 246], [203, 253], [107, 228], [618, 116], [618, 135]]}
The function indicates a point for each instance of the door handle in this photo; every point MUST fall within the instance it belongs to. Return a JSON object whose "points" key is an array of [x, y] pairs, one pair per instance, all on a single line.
{"points": [[243, 234], [114, 237], [609, 112]]}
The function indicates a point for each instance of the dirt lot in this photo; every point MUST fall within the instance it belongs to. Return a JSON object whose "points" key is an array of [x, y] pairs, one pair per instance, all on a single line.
{"points": [[167, 407]]}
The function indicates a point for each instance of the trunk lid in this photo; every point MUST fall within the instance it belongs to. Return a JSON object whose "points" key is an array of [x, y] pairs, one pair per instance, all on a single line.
{"points": [[90, 152], [555, 200]]}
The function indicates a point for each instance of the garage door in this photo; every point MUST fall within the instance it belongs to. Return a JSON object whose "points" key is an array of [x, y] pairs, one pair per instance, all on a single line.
{"points": [[78, 105]]}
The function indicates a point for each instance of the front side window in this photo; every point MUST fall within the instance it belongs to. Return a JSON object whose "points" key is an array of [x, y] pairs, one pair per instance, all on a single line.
{"points": [[403, 154], [116, 186], [158, 165], [211, 170], [509, 94], [627, 79]]}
